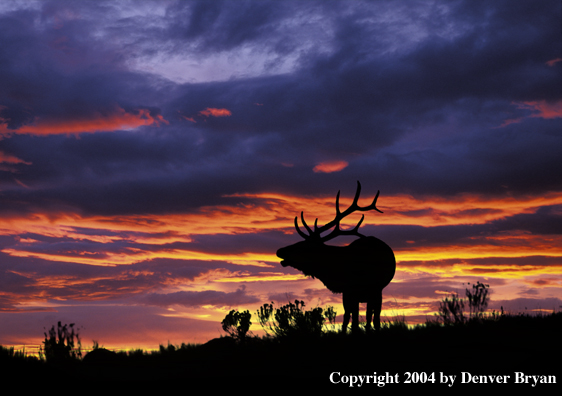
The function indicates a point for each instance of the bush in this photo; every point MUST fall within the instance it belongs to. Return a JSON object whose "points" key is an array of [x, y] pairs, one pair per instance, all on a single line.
{"points": [[237, 324], [477, 300], [61, 348], [451, 309], [291, 320]]}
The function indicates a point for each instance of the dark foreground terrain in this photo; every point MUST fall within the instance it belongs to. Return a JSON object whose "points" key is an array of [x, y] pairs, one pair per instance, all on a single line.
{"points": [[513, 351]]}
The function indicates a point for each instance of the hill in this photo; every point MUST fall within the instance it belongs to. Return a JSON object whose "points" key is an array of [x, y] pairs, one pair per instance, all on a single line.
{"points": [[522, 351]]}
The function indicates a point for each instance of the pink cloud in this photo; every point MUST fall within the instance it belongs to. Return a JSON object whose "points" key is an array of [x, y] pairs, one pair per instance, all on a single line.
{"points": [[211, 111], [10, 159], [329, 167], [189, 119], [552, 62], [544, 109], [541, 109]]}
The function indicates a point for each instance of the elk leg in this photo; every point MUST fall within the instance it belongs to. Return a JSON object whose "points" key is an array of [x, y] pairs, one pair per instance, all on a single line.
{"points": [[345, 322], [377, 307], [355, 318], [369, 315], [351, 306], [347, 312]]}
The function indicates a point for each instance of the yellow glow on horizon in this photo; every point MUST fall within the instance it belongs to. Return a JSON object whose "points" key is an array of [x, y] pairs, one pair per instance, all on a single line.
{"points": [[505, 271], [482, 251], [264, 278], [132, 257], [187, 315]]}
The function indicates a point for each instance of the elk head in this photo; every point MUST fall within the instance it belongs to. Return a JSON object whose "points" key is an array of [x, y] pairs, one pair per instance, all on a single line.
{"points": [[306, 254]]}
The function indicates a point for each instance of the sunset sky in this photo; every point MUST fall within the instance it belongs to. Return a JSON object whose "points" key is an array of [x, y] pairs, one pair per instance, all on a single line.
{"points": [[154, 154]]}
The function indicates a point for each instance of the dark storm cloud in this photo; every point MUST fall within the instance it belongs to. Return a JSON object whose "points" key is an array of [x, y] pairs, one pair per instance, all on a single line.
{"points": [[440, 81], [223, 25], [546, 221], [61, 72], [446, 84]]}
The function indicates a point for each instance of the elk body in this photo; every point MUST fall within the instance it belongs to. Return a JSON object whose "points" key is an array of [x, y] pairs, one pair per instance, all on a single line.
{"points": [[360, 270]]}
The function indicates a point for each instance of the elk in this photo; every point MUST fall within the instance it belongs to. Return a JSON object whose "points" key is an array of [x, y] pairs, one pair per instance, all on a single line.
{"points": [[360, 270]]}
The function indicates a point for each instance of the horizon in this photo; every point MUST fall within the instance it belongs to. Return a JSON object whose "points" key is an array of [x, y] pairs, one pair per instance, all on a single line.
{"points": [[154, 155]]}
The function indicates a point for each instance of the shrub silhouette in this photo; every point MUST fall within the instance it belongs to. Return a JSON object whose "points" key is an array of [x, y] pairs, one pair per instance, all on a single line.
{"points": [[477, 300], [451, 309], [237, 324], [59, 345], [291, 320]]}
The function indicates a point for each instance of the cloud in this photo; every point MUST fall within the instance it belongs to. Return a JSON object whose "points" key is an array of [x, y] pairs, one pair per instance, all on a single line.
{"points": [[552, 62], [545, 110], [331, 166], [118, 119], [10, 159], [201, 298], [540, 109], [188, 118], [211, 111]]}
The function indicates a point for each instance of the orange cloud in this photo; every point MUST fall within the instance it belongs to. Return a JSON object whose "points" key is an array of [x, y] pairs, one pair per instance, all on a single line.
{"points": [[552, 62], [329, 167], [404, 210], [152, 235], [211, 111], [118, 120], [511, 245], [132, 256]]}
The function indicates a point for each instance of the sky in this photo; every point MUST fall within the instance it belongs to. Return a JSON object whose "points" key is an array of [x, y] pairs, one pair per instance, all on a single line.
{"points": [[154, 155]]}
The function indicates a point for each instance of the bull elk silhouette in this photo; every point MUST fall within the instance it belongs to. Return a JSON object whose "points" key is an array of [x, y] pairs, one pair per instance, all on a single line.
{"points": [[360, 270]]}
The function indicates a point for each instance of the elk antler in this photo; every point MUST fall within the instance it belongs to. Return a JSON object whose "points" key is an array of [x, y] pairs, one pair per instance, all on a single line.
{"points": [[336, 222]]}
